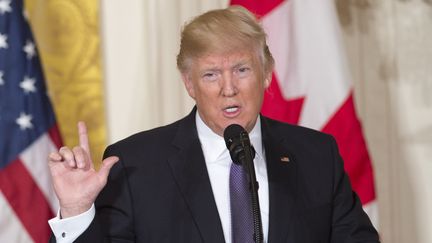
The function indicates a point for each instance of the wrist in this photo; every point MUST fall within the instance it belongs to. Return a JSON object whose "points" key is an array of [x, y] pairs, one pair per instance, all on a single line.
{"points": [[70, 211]]}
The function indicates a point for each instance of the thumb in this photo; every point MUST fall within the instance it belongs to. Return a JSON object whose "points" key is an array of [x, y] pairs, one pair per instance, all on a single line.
{"points": [[105, 168]]}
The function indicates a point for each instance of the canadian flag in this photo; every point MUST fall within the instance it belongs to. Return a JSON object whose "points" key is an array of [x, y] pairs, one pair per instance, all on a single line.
{"points": [[311, 83]]}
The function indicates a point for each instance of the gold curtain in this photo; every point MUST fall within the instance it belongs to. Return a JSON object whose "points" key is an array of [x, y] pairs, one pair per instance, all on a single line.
{"points": [[68, 39]]}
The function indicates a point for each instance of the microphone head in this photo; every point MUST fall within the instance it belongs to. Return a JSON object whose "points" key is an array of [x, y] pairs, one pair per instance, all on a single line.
{"points": [[232, 133], [236, 138]]}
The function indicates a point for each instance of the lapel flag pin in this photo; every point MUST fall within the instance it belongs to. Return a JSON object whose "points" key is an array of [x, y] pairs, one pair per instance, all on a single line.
{"points": [[284, 159]]}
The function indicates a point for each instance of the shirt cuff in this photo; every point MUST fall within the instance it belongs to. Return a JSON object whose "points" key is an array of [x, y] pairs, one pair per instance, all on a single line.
{"points": [[69, 229]]}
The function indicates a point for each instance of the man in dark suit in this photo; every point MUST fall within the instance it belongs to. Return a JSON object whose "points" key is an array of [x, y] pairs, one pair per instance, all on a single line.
{"points": [[170, 184]]}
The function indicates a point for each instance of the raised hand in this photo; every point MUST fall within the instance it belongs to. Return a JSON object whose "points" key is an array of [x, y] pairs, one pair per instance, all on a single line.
{"points": [[75, 180]]}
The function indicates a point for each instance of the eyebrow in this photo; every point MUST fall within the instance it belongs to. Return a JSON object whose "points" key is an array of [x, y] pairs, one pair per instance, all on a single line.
{"points": [[210, 69], [242, 63], [215, 67]]}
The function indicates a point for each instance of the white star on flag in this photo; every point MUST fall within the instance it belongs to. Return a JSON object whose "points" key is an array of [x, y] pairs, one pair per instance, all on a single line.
{"points": [[5, 6], [3, 41], [1, 78], [28, 85], [24, 121], [30, 49]]}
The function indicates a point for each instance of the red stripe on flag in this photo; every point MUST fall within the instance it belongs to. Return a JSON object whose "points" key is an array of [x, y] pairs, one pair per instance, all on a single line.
{"points": [[258, 7], [27, 200], [346, 129], [55, 136], [276, 107]]}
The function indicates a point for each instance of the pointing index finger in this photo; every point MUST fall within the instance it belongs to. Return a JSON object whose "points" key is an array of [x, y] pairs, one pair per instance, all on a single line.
{"points": [[83, 137]]}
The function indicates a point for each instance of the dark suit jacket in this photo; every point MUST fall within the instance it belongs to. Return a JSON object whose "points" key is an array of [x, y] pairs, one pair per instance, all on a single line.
{"points": [[160, 191]]}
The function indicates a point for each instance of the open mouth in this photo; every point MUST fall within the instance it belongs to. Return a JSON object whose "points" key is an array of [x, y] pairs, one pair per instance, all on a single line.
{"points": [[231, 109]]}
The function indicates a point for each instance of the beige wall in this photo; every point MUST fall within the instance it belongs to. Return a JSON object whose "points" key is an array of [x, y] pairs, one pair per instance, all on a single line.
{"points": [[141, 40], [390, 50]]}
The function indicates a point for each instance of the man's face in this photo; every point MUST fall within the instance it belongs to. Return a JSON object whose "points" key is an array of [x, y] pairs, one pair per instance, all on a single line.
{"points": [[227, 89]]}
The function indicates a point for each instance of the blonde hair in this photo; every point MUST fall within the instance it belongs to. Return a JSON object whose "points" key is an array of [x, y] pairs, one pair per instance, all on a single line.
{"points": [[221, 31]]}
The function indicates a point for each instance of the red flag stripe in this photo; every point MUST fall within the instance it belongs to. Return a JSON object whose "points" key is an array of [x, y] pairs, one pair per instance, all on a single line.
{"points": [[26, 199], [276, 107], [258, 7], [10, 225], [346, 129], [55, 136], [39, 151]]}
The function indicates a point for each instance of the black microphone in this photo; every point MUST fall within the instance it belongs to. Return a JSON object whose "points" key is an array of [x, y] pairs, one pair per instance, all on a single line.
{"points": [[238, 143]]}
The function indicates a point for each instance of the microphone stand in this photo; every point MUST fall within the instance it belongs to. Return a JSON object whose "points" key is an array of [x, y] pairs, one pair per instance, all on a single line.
{"points": [[247, 162]]}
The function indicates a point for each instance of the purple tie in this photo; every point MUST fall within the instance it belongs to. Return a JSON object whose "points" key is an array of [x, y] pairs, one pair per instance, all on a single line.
{"points": [[241, 207]]}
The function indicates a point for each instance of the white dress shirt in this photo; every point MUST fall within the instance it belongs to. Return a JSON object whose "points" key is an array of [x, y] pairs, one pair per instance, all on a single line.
{"points": [[218, 164], [68, 229]]}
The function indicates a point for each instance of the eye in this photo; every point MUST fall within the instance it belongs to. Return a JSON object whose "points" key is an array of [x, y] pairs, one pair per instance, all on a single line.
{"points": [[243, 71], [210, 76]]}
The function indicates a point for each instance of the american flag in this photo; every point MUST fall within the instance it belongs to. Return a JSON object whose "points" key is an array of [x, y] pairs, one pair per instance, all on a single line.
{"points": [[28, 132]]}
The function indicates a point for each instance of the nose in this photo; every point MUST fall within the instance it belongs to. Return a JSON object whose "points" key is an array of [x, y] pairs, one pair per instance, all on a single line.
{"points": [[228, 86]]}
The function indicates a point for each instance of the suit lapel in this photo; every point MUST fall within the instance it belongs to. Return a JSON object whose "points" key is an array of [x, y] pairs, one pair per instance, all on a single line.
{"points": [[190, 172], [281, 170]]}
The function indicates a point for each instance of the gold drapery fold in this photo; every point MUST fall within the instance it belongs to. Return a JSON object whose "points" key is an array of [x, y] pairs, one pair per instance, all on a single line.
{"points": [[68, 39]]}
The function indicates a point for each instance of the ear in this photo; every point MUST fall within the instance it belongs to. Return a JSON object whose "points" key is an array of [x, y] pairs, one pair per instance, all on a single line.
{"points": [[267, 80], [187, 80]]}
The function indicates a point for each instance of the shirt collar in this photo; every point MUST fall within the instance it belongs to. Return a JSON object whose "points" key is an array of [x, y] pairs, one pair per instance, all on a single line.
{"points": [[213, 145]]}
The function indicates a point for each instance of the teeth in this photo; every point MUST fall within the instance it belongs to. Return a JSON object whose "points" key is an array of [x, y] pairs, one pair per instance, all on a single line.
{"points": [[231, 109]]}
